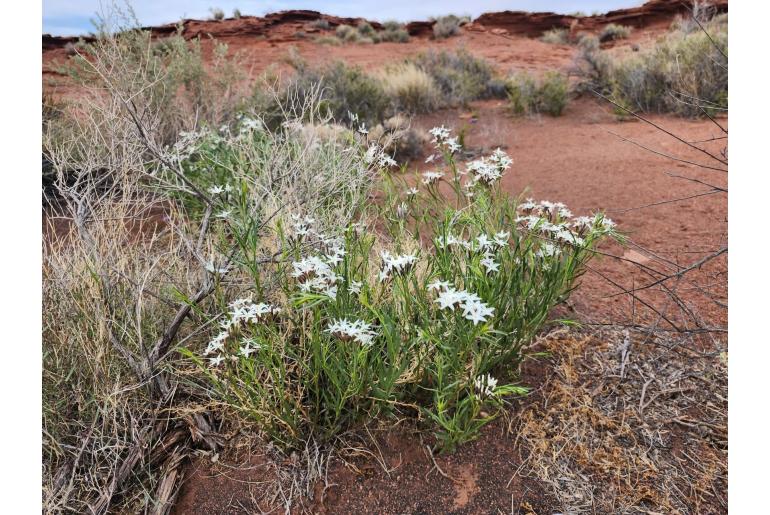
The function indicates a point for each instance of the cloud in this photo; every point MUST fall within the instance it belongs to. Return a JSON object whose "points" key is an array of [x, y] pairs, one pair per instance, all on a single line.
{"points": [[71, 17]]}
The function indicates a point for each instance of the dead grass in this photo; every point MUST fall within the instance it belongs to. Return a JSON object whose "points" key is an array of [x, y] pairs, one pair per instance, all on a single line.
{"points": [[627, 424]]}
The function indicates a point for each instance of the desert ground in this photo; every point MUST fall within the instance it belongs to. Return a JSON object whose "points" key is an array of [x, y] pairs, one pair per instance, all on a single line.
{"points": [[628, 410]]}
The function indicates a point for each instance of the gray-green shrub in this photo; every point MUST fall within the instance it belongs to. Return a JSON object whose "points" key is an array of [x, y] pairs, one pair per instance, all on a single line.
{"points": [[547, 95], [217, 13], [555, 37], [683, 72], [461, 76], [448, 26], [613, 31]]}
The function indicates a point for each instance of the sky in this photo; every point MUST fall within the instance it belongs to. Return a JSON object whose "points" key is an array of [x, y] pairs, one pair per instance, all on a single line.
{"points": [[73, 17]]}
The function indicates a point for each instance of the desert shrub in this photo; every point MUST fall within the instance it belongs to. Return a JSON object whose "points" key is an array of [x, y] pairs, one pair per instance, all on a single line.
{"points": [[328, 40], [460, 76], [547, 95], [397, 138], [447, 26], [346, 91], [612, 31], [365, 29], [167, 77], [683, 72], [555, 37], [410, 89], [320, 23], [362, 322], [393, 31], [217, 13], [347, 33], [237, 14]]}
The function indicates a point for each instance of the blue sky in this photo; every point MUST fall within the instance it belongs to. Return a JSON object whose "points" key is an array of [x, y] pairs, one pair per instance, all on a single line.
{"points": [[72, 17]]}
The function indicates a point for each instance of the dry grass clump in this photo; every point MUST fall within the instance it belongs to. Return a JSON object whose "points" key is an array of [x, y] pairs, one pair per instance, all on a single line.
{"points": [[410, 89], [613, 31], [556, 37], [630, 423], [321, 24], [548, 95]]}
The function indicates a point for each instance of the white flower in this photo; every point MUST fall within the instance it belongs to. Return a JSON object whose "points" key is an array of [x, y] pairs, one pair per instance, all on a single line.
{"points": [[453, 145], [357, 330], [395, 264], [473, 308], [548, 250], [411, 192], [386, 161], [485, 385], [431, 177], [430, 158], [501, 160], [224, 214], [316, 275], [490, 264], [449, 298], [216, 189], [212, 268], [244, 310], [302, 225], [439, 285], [476, 311], [250, 124], [402, 210], [371, 154], [501, 238], [440, 134], [216, 360], [355, 287], [529, 205], [246, 351], [484, 171], [217, 343], [362, 129]]}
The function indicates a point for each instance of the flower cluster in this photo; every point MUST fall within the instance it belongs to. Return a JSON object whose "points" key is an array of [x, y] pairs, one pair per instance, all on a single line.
{"points": [[429, 178], [400, 264], [242, 311], [442, 139], [489, 170], [357, 330], [473, 308], [375, 154], [485, 385], [218, 190], [303, 226], [315, 274]]}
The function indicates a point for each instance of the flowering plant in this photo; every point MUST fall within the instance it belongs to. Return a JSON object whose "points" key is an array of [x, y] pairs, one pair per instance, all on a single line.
{"points": [[430, 311]]}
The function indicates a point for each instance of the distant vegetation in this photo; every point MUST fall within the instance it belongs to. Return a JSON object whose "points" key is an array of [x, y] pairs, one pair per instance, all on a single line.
{"points": [[547, 95], [556, 37], [217, 13], [684, 72], [613, 31], [448, 26], [364, 33]]}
